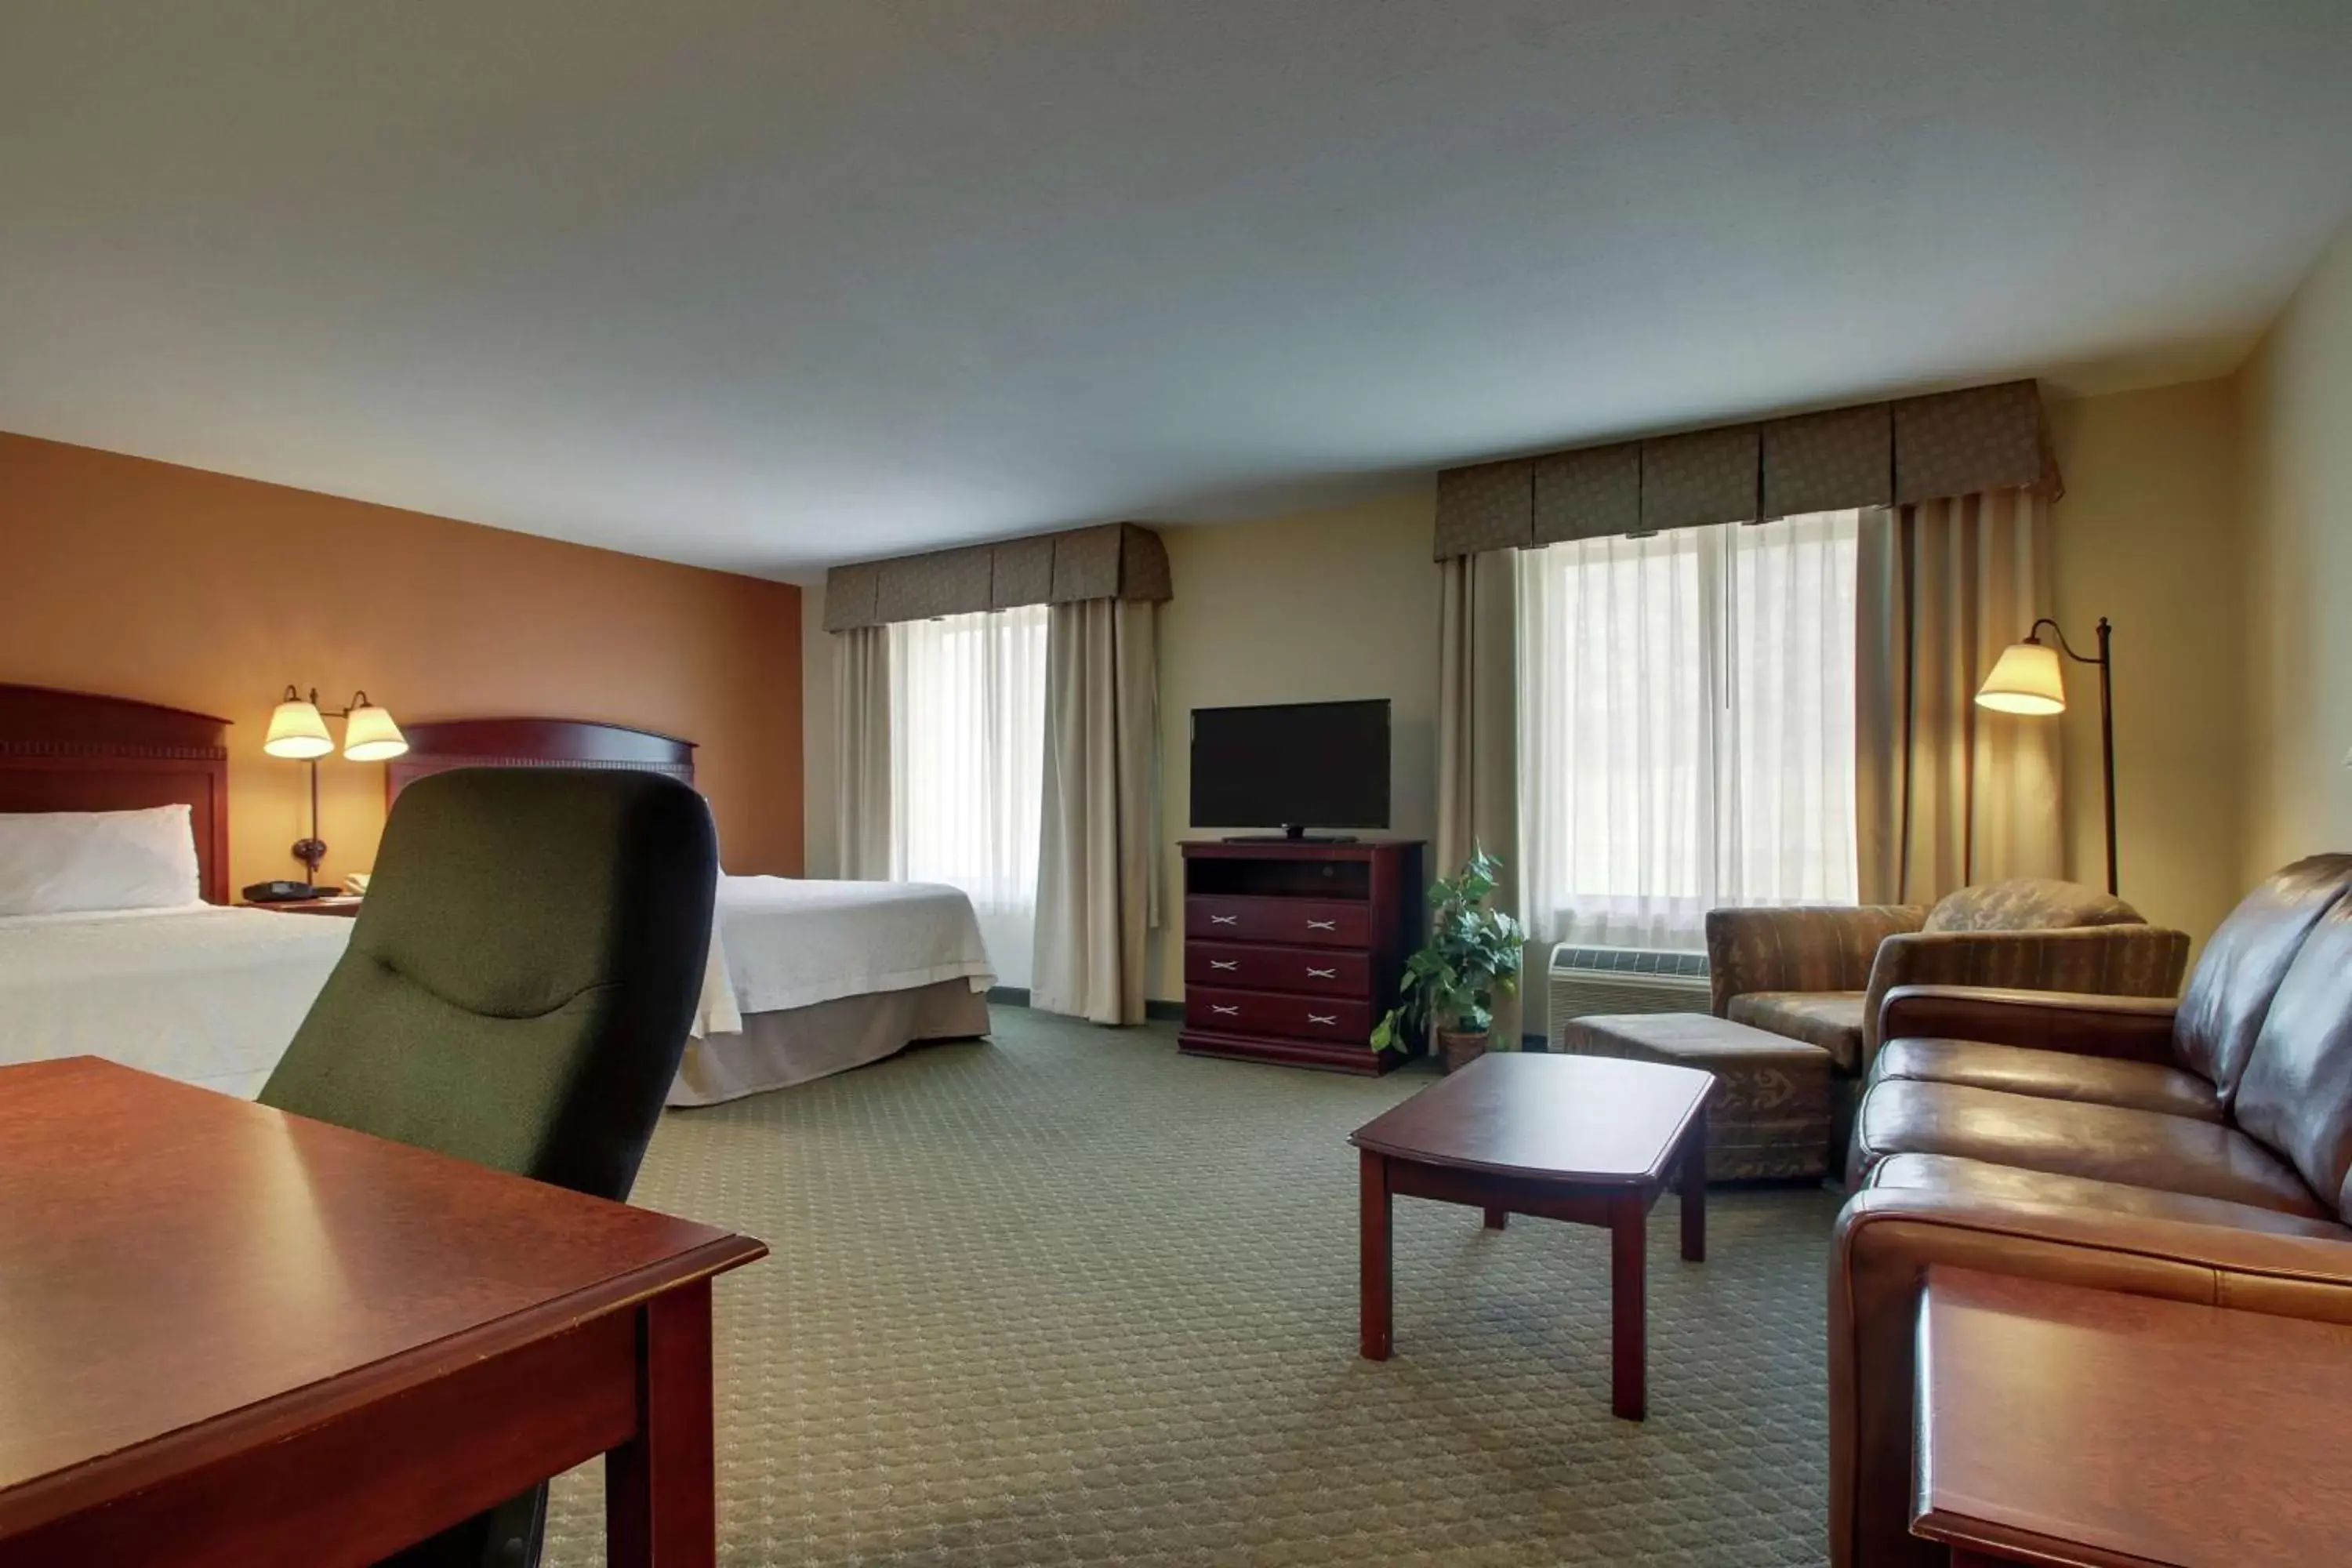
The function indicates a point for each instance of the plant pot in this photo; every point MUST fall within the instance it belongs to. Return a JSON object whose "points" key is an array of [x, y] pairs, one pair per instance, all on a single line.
{"points": [[1457, 1048]]}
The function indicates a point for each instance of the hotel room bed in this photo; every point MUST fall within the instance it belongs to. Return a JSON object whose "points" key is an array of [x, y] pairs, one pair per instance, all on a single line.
{"points": [[199, 992], [806, 978], [206, 994]]}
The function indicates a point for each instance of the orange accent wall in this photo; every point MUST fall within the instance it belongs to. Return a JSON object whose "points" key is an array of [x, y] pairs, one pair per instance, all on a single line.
{"points": [[171, 584]]}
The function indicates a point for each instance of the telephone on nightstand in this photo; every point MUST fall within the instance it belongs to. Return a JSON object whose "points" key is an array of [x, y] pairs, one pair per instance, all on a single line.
{"points": [[280, 893]]}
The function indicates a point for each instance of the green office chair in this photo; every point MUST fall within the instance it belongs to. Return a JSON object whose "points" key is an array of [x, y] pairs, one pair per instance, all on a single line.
{"points": [[518, 991]]}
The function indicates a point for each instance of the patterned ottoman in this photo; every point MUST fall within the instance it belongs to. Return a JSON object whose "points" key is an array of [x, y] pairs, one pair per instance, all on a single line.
{"points": [[1770, 1115]]}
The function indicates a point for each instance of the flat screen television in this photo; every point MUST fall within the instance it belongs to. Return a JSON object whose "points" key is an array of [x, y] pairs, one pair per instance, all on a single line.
{"points": [[1292, 765]]}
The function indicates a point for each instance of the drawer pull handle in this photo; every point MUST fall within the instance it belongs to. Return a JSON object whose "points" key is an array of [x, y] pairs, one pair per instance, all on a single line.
{"points": [[1228, 1012], [1224, 920], [1323, 925], [1225, 964], [1320, 1019], [1315, 974]]}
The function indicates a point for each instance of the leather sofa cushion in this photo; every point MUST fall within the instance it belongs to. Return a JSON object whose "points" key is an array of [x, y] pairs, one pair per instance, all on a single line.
{"points": [[2028, 903], [2297, 1094], [2049, 1075], [1976, 1179], [2230, 992], [1830, 1019], [2067, 1138]]}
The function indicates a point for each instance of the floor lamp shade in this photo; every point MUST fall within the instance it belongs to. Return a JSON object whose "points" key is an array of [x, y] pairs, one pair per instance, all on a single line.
{"points": [[2025, 679]]}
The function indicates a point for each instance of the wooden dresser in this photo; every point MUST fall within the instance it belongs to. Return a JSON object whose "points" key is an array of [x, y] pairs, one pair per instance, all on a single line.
{"points": [[1292, 950]]}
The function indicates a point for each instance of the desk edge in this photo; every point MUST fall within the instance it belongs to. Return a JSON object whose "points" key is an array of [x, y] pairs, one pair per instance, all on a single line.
{"points": [[96, 1482]]}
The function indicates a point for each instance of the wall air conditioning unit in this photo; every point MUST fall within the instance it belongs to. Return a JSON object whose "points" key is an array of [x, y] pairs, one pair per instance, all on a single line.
{"points": [[1587, 979]]}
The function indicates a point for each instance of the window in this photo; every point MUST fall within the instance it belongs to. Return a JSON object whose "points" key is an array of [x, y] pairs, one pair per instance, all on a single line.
{"points": [[968, 754], [1686, 726]]}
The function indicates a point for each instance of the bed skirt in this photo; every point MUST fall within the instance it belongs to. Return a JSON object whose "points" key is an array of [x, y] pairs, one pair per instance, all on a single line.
{"points": [[777, 1050]]}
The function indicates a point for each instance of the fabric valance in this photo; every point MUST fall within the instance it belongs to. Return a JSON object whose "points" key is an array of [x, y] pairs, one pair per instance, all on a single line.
{"points": [[1871, 454], [1114, 560]]}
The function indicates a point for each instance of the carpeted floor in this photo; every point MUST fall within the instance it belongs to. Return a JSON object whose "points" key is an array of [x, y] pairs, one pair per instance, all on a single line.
{"points": [[1067, 1298]]}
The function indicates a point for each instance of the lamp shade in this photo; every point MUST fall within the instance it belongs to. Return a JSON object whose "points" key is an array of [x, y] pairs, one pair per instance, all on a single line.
{"points": [[2025, 679], [370, 736], [296, 730]]}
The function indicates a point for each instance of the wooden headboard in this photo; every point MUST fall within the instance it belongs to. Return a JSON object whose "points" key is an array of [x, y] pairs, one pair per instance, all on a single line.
{"points": [[533, 744], [68, 750]]}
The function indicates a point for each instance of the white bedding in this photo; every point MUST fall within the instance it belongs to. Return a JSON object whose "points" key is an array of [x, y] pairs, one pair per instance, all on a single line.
{"points": [[780, 943], [206, 994], [212, 996]]}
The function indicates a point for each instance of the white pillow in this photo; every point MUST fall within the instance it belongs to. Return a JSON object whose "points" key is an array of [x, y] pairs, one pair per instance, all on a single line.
{"points": [[57, 862]]}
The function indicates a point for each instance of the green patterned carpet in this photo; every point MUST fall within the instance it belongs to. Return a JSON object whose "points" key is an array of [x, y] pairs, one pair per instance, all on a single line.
{"points": [[1068, 1297]]}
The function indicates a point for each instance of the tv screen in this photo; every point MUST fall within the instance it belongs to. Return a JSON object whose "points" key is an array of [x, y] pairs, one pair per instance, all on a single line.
{"points": [[1292, 765]]}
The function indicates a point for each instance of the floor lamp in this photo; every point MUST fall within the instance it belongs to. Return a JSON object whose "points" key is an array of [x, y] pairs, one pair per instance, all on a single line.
{"points": [[2027, 679]]}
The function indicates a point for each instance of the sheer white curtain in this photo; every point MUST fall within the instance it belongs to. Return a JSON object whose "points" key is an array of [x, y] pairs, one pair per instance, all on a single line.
{"points": [[1686, 708], [968, 753]]}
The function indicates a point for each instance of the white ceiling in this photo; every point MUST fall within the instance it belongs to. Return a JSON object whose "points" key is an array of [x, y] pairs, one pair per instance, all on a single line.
{"points": [[769, 286]]}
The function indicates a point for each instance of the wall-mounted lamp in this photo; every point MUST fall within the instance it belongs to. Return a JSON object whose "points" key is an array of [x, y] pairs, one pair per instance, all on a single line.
{"points": [[2027, 679], [299, 730]]}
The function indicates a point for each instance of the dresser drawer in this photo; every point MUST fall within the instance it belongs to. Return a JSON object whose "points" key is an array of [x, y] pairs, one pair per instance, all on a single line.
{"points": [[1343, 1020], [1307, 922], [1226, 965]]}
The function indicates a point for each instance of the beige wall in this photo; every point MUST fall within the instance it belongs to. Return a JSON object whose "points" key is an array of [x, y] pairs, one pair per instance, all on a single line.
{"points": [[1343, 603], [2148, 535], [2297, 414], [1323, 604], [196, 589], [1317, 606]]}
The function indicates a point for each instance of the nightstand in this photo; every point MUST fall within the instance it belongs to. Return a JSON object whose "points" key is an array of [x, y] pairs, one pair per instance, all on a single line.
{"points": [[347, 906]]}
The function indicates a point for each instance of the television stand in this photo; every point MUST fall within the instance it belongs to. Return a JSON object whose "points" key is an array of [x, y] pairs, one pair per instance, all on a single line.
{"points": [[1289, 836], [1293, 948]]}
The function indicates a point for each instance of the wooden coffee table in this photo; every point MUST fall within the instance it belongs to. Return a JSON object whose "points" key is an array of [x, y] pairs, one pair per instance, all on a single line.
{"points": [[1591, 1140]]}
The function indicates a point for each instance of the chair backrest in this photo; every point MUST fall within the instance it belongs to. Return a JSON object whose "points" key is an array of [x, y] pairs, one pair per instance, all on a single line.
{"points": [[2296, 1093], [523, 976], [2231, 990], [2028, 903]]}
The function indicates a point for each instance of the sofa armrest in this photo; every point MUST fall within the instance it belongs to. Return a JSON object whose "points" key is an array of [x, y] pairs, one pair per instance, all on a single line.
{"points": [[1884, 1242], [2114, 961], [1799, 949], [2138, 1028]]}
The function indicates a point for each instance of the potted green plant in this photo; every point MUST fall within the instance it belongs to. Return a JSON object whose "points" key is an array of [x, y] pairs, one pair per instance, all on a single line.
{"points": [[1472, 956]]}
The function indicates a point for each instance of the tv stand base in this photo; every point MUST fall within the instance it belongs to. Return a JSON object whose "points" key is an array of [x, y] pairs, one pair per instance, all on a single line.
{"points": [[1290, 835]]}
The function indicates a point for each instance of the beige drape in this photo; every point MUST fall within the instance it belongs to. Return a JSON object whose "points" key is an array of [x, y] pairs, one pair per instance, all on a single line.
{"points": [[862, 773], [1946, 793], [1100, 829], [1478, 731]]}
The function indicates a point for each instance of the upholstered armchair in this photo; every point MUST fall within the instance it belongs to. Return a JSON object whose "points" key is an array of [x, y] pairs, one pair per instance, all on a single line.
{"points": [[1820, 974]]}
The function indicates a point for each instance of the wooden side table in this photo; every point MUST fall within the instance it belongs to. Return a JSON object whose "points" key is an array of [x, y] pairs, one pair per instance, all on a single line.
{"points": [[345, 905], [2080, 1428]]}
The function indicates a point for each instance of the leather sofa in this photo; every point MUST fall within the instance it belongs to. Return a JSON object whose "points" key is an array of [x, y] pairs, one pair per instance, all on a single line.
{"points": [[1822, 974], [2197, 1151]]}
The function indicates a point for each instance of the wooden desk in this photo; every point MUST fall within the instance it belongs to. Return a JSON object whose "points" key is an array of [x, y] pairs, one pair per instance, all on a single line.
{"points": [[2070, 1426], [232, 1336], [1591, 1140]]}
